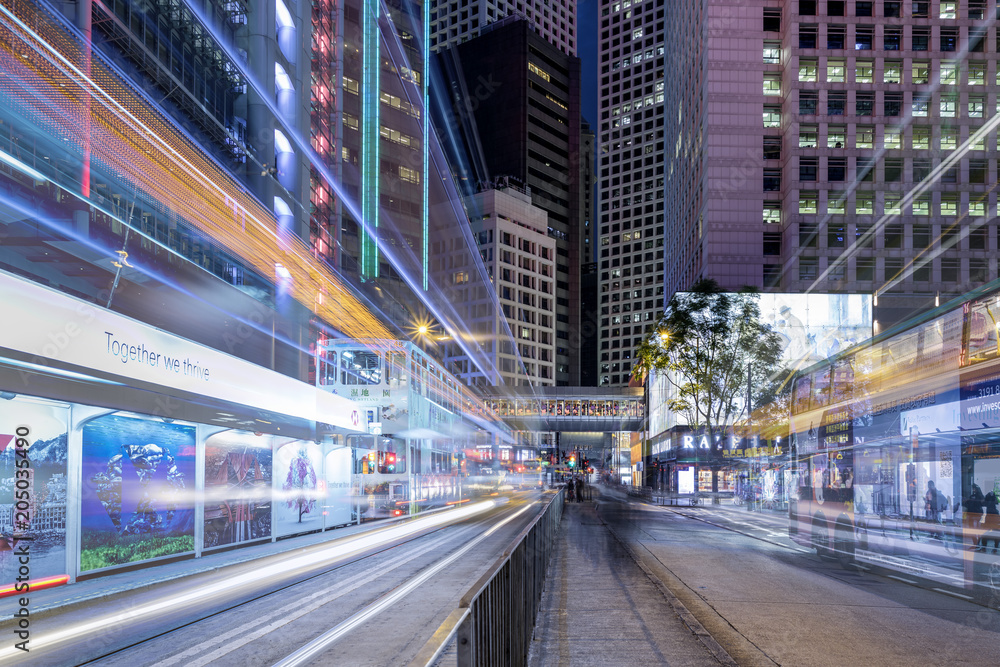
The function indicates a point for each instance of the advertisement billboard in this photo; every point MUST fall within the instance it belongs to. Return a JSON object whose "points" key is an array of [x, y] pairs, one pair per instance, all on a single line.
{"points": [[138, 491]]}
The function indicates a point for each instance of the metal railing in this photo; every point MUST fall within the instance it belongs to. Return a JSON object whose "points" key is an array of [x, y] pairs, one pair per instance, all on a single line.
{"points": [[495, 619]]}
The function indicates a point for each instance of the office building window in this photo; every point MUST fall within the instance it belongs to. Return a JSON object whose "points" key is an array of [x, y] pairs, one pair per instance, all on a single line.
{"points": [[864, 268], [836, 203], [772, 116], [863, 8], [864, 103], [864, 37], [949, 74], [808, 268], [836, 70], [893, 138], [920, 72], [808, 102], [772, 148], [978, 170], [808, 201], [921, 169], [836, 136], [772, 53], [807, 35], [892, 71], [891, 206], [892, 38], [772, 212], [864, 203], [836, 168], [808, 168], [949, 39], [921, 38], [807, 69], [892, 104], [893, 269], [893, 235], [808, 135], [864, 71], [836, 37], [921, 137], [891, 10], [836, 102], [772, 180]]}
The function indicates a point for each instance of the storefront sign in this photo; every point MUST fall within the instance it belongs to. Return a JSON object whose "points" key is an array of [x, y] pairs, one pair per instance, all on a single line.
{"points": [[58, 330]]}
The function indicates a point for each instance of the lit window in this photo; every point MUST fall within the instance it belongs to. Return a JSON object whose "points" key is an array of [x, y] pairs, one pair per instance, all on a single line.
{"points": [[921, 138], [808, 201], [893, 71], [949, 10], [836, 71], [892, 203], [893, 138], [864, 203], [948, 107], [977, 73], [949, 74], [864, 71], [949, 138], [772, 84], [864, 137], [807, 69], [836, 136]]}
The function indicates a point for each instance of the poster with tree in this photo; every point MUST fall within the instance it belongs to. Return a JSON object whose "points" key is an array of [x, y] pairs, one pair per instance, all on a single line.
{"points": [[297, 468]]}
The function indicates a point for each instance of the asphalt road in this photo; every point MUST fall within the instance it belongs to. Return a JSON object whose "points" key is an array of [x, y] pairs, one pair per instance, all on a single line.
{"points": [[768, 601], [372, 599]]}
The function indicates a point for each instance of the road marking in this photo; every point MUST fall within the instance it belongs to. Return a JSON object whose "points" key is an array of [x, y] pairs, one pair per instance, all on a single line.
{"points": [[286, 614], [308, 652]]}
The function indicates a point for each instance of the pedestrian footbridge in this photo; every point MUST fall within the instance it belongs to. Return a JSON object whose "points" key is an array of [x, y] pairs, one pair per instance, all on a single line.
{"points": [[571, 409]]}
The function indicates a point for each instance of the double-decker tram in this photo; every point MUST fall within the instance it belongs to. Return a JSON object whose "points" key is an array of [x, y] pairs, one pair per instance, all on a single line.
{"points": [[896, 449]]}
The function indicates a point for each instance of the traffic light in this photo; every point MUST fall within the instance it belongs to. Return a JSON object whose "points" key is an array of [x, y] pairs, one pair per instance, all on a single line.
{"points": [[572, 460], [390, 461]]}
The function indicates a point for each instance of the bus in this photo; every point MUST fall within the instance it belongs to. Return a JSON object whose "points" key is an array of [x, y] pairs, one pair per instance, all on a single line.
{"points": [[895, 449]]}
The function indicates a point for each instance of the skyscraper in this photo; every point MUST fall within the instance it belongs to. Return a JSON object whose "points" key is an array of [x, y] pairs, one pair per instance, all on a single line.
{"points": [[825, 146], [517, 109], [630, 179]]}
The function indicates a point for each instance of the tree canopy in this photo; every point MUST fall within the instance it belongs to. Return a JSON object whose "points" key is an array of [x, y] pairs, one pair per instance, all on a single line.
{"points": [[712, 347]]}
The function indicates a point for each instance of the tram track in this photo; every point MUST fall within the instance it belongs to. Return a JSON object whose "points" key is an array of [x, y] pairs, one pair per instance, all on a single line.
{"points": [[183, 611]]}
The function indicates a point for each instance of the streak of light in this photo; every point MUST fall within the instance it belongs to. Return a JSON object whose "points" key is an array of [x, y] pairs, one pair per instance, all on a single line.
{"points": [[308, 652], [12, 161], [142, 146], [280, 569], [35, 585]]}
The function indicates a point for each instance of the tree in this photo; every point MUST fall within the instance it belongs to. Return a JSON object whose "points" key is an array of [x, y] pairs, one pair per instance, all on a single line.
{"points": [[705, 345]]}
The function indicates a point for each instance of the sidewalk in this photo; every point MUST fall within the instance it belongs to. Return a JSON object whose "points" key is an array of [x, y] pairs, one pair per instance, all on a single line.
{"points": [[600, 608]]}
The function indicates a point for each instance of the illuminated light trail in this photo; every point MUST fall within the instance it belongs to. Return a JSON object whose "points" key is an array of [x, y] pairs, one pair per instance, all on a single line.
{"points": [[280, 569], [310, 651], [138, 143], [62, 227], [456, 322], [35, 585]]}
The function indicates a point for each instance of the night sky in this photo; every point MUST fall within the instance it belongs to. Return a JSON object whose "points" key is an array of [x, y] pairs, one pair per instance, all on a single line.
{"points": [[587, 11]]}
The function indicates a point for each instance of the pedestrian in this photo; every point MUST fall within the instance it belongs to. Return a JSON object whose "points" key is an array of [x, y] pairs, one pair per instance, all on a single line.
{"points": [[570, 487], [579, 489], [931, 509], [973, 514], [991, 523]]}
